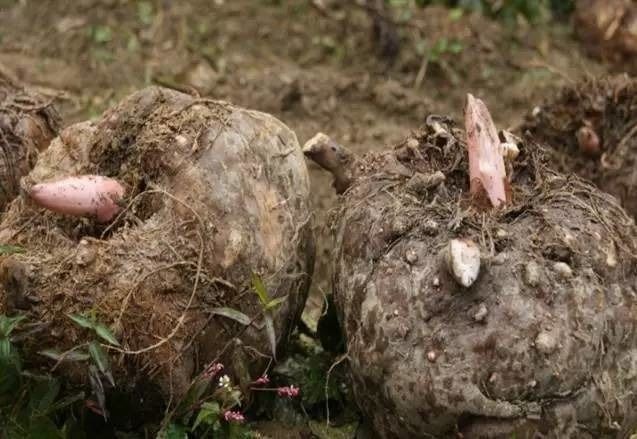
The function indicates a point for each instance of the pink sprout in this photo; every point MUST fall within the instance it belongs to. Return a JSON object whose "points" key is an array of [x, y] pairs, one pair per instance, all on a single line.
{"points": [[262, 380], [232, 416], [289, 391], [212, 370]]}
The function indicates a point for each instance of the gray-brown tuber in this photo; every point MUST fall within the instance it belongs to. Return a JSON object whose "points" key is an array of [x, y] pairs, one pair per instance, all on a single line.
{"points": [[215, 193], [525, 349]]}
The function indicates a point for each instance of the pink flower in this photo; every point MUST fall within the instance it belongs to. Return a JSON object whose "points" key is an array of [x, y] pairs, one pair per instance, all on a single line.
{"points": [[262, 380], [212, 370], [231, 416], [289, 391]]}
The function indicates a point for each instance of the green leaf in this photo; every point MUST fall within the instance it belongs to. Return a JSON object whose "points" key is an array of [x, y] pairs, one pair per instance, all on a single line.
{"points": [[173, 431], [102, 34], [57, 355], [106, 334], [455, 47], [208, 414], [9, 370], [98, 389], [101, 360], [7, 352], [83, 321], [456, 14], [259, 288], [42, 396], [275, 302], [10, 249], [196, 390], [8, 324], [233, 314], [43, 428], [66, 401], [145, 12]]}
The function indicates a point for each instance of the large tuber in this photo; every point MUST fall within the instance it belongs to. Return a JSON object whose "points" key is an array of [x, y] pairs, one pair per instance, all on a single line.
{"points": [[215, 195], [429, 357]]}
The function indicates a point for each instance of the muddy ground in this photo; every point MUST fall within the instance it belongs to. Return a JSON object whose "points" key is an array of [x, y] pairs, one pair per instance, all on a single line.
{"points": [[315, 69]]}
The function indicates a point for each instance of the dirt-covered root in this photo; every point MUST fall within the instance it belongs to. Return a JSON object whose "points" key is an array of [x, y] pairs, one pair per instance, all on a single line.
{"points": [[590, 129], [607, 28], [543, 341], [28, 123], [215, 193]]}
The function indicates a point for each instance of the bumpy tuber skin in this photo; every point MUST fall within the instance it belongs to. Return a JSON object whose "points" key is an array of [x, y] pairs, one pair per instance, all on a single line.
{"points": [[332, 157], [28, 123], [200, 222], [429, 357], [486, 164], [87, 195]]}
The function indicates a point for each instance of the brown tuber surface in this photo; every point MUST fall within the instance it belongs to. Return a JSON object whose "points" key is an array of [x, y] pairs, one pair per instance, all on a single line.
{"points": [[28, 123], [590, 129], [214, 193], [542, 341]]}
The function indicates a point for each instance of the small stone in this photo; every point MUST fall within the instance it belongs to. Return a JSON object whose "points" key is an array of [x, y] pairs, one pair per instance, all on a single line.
{"points": [[413, 143], [532, 274], [181, 140], [563, 270], [500, 258], [432, 356], [545, 342], [85, 255], [493, 378], [481, 313], [430, 227], [411, 256], [501, 233], [463, 261], [436, 282]]}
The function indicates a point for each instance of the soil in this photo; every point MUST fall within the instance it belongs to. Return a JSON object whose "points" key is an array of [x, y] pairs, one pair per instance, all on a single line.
{"points": [[315, 69]]}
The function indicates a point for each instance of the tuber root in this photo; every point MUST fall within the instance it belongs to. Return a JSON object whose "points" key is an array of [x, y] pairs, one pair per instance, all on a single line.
{"points": [[86, 195], [486, 164]]}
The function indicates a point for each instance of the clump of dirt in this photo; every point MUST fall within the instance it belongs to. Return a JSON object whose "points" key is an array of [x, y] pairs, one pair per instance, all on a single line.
{"points": [[502, 357], [28, 123], [607, 27], [591, 130], [215, 193]]}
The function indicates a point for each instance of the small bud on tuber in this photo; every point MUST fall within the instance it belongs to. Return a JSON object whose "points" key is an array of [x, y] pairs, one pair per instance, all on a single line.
{"points": [[588, 141], [486, 164], [332, 157], [87, 195]]}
